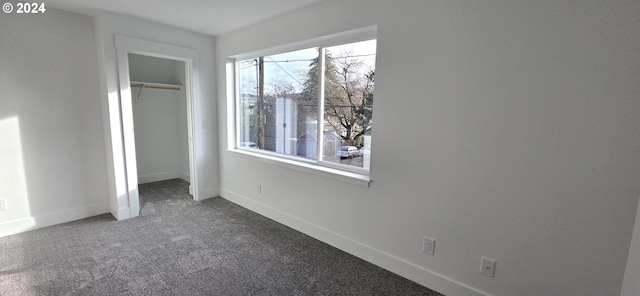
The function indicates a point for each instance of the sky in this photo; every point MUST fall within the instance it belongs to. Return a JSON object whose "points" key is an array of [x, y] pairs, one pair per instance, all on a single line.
{"points": [[292, 67]]}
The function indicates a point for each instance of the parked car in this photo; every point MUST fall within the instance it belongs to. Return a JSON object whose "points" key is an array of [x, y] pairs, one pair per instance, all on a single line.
{"points": [[347, 152], [248, 145], [362, 151]]}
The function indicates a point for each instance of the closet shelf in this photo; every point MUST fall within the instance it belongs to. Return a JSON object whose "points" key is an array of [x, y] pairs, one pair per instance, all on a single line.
{"points": [[155, 85]]}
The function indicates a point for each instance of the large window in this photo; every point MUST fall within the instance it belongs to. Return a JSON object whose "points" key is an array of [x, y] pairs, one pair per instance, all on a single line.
{"points": [[313, 105]]}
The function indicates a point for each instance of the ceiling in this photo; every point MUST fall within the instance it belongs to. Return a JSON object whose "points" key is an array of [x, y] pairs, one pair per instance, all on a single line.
{"points": [[212, 17]]}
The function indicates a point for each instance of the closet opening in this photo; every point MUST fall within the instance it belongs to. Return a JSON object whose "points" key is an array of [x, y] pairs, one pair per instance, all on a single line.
{"points": [[160, 89], [160, 119]]}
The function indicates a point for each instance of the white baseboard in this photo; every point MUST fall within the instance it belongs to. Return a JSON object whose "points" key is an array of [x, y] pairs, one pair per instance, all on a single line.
{"points": [[122, 213], [184, 176], [17, 226], [404, 268], [53, 218], [155, 177], [209, 193]]}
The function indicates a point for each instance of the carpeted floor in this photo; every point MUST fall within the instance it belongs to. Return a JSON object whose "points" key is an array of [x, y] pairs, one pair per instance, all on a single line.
{"points": [[182, 247]]}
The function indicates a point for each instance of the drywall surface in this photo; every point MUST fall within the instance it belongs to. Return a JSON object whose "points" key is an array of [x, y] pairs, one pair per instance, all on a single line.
{"points": [[107, 26], [52, 157], [160, 120], [157, 132], [152, 69], [506, 129], [631, 285]]}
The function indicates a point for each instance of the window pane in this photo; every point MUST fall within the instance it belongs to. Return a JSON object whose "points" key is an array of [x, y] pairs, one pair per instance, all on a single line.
{"points": [[278, 105], [348, 103]]}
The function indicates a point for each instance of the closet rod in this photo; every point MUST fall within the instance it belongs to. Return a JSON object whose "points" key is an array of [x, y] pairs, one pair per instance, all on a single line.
{"points": [[155, 85]]}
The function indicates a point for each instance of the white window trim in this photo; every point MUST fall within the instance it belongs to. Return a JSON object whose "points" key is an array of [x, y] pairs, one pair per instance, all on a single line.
{"points": [[354, 175], [304, 166], [362, 34]]}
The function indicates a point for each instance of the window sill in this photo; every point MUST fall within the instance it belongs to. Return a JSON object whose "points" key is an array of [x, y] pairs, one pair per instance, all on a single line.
{"points": [[311, 168]]}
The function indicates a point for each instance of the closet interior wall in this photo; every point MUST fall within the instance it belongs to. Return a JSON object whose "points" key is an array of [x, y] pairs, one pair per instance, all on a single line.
{"points": [[160, 119]]}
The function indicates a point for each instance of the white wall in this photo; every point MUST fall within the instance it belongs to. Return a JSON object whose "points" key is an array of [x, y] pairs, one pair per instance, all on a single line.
{"points": [[158, 147], [160, 120], [151, 69], [107, 26], [506, 129], [52, 157]]}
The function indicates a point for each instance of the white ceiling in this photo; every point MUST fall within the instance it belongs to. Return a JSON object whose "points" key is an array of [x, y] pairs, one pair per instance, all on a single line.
{"points": [[212, 17]]}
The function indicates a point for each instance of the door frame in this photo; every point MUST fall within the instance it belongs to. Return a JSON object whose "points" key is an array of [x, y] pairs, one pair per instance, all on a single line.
{"points": [[124, 46]]}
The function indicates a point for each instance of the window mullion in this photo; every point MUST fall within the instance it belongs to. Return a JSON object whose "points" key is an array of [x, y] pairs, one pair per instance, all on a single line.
{"points": [[320, 121], [238, 103]]}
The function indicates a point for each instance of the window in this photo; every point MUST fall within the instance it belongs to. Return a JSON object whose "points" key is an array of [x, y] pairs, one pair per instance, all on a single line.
{"points": [[313, 104]]}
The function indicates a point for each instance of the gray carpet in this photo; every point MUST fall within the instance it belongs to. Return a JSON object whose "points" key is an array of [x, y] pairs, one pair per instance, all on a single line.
{"points": [[182, 247]]}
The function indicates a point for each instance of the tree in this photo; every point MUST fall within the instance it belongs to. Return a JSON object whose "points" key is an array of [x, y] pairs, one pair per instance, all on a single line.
{"points": [[310, 92], [348, 95]]}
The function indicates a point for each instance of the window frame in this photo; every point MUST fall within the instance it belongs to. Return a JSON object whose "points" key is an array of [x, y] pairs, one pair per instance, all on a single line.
{"points": [[319, 164]]}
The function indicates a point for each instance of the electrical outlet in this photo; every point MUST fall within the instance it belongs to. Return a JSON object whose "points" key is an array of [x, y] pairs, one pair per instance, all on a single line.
{"points": [[429, 246], [259, 188], [488, 267], [3, 205]]}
